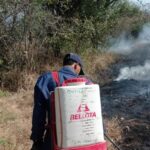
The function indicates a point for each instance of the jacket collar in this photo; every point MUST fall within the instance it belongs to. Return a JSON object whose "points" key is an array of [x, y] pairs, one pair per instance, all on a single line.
{"points": [[68, 70]]}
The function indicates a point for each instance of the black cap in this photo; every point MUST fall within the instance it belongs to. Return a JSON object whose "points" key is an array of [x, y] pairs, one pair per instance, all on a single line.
{"points": [[76, 58]]}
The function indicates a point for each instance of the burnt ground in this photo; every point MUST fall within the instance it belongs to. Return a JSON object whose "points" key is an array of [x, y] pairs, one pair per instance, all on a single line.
{"points": [[129, 101]]}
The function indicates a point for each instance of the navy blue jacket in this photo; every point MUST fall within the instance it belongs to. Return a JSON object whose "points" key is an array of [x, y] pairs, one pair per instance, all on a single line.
{"points": [[44, 86]]}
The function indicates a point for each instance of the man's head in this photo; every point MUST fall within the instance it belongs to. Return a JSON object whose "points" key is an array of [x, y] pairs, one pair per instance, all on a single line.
{"points": [[75, 61]]}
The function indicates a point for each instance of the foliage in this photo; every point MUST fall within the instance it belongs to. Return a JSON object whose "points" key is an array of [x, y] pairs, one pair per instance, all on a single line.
{"points": [[3, 93], [35, 33], [3, 141]]}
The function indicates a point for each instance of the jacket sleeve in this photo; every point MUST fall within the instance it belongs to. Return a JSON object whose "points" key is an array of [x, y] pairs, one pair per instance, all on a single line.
{"points": [[42, 91], [39, 115]]}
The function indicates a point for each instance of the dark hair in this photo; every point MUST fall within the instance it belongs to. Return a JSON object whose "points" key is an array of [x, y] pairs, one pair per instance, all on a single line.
{"points": [[68, 62]]}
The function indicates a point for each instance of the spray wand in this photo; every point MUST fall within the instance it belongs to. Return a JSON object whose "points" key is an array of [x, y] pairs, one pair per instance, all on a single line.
{"points": [[111, 141]]}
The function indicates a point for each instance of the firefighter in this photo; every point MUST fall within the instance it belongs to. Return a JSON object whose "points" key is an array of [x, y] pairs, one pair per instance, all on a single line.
{"points": [[72, 68]]}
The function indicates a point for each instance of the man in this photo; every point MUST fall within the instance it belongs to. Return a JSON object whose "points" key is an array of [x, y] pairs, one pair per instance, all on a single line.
{"points": [[72, 68]]}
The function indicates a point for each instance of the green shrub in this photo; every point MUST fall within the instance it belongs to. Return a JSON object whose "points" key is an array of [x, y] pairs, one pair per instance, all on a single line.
{"points": [[4, 93]]}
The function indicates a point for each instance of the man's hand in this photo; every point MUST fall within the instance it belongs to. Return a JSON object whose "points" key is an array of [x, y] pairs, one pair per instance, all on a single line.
{"points": [[37, 145]]}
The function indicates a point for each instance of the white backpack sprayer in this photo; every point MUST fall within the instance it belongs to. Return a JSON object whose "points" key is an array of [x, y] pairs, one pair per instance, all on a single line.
{"points": [[77, 123]]}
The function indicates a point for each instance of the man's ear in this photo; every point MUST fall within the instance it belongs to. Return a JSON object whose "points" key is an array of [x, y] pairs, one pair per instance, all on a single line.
{"points": [[75, 66]]}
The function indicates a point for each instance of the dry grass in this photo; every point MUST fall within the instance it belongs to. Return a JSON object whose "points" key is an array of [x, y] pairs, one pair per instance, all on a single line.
{"points": [[113, 131], [15, 121], [15, 116], [97, 66], [15, 80]]}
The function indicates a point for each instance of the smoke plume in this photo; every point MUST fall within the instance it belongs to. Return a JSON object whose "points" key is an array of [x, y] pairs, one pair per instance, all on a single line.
{"points": [[136, 49], [126, 44], [136, 72]]}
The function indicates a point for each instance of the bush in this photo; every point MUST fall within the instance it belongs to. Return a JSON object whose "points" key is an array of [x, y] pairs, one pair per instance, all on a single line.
{"points": [[36, 34]]}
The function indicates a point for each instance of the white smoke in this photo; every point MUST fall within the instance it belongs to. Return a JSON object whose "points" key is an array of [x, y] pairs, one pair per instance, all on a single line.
{"points": [[145, 34], [138, 49], [136, 72], [126, 45], [122, 45]]}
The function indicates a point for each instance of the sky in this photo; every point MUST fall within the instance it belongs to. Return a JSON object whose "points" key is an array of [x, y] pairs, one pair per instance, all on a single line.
{"points": [[142, 1], [144, 4]]}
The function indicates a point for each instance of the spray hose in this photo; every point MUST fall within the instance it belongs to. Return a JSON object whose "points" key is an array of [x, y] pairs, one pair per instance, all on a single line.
{"points": [[116, 146]]}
